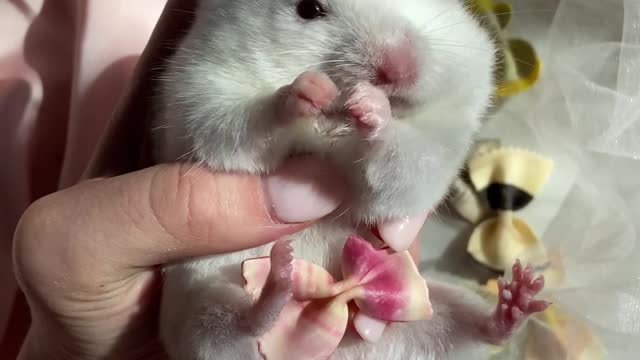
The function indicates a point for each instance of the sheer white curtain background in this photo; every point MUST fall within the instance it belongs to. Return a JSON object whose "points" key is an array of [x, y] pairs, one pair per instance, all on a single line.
{"points": [[585, 114], [593, 56]]}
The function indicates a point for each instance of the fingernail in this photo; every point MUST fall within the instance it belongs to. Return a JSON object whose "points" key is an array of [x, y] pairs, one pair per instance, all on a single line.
{"points": [[370, 329], [400, 234], [304, 189]]}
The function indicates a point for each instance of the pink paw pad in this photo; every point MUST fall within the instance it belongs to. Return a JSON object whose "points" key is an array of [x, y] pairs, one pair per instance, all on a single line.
{"points": [[309, 94], [369, 106], [517, 300]]}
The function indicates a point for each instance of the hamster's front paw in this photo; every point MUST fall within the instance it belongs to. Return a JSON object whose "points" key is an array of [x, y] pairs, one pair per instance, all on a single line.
{"points": [[369, 106], [515, 302], [308, 95]]}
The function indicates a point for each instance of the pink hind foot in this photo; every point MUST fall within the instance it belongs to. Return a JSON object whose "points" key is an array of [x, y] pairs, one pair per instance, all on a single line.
{"points": [[516, 301]]}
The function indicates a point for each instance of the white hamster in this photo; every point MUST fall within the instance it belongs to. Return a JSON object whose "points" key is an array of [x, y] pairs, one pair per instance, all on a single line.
{"points": [[392, 92]]}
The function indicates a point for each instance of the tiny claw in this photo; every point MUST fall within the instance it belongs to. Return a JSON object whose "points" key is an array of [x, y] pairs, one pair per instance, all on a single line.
{"points": [[527, 276], [538, 306], [517, 270], [501, 284], [506, 295], [537, 284]]}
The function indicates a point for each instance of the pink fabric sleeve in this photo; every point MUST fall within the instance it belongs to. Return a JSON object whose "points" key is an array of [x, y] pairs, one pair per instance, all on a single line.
{"points": [[63, 67]]}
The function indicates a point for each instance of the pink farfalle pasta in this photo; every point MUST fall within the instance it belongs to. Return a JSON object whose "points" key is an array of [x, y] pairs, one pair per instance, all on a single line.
{"points": [[383, 285]]}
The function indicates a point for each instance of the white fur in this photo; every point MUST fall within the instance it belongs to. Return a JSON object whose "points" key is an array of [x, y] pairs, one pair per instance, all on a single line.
{"points": [[216, 98]]}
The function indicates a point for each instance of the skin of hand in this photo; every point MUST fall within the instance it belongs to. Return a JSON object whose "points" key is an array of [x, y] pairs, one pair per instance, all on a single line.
{"points": [[88, 257]]}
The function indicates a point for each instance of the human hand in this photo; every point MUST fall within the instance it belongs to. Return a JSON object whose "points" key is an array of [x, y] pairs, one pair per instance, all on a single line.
{"points": [[87, 257]]}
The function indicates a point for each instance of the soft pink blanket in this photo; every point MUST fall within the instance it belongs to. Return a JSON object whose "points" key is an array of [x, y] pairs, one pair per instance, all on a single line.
{"points": [[63, 66]]}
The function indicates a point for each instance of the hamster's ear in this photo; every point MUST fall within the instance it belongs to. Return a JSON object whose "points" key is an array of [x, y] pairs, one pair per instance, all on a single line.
{"points": [[125, 146]]}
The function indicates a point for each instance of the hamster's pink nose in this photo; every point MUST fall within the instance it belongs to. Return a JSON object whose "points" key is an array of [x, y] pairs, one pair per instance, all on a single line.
{"points": [[398, 66]]}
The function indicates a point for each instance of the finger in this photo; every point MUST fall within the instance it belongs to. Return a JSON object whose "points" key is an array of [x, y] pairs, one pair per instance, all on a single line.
{"points": [[111, 228]]}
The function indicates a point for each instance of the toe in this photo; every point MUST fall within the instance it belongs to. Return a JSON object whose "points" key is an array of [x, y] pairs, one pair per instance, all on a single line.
{"points": [[527, 275], [506, 295], [523, 300], [514, 286], [504, 308], [517, 270], [501, 284], [537, 284], [538, 306], [315, 88], [516, 314]]}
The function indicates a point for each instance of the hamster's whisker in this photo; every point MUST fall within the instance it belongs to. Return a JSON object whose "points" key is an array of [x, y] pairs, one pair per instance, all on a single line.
{"points": [[360, 160], [345, 66], [331, 61], [453, 57], [444, 204], [194, 167], [486, 16], [435, 212], [161, 127], [525, 62], [449, 52], [430, 31], [340, 215], [187, 154], [183, 11], [460, 46], [308, 52], [332, 40], [445, 41], [312, 65], [520, 12], [436, 17]]}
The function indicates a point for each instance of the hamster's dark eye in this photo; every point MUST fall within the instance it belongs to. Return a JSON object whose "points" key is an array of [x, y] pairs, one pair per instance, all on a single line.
{"points": [[310, 9]]}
